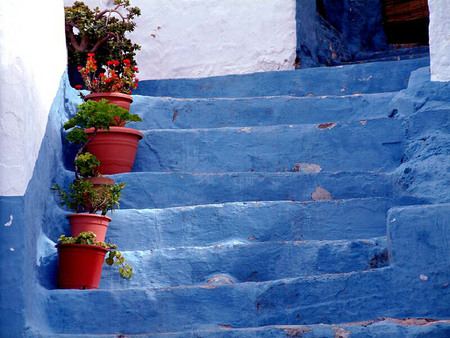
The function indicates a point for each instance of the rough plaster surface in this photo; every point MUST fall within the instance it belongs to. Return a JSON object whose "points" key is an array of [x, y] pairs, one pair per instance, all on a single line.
{"points": [[196, 38], [439, 31], [31, 66]]}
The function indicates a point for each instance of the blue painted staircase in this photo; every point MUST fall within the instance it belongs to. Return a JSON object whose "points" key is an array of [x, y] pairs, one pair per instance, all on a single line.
{"points": [[258, 207]]}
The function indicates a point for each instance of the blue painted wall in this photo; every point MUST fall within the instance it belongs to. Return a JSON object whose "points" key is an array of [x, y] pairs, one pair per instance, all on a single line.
{"points": [[20, 243]]}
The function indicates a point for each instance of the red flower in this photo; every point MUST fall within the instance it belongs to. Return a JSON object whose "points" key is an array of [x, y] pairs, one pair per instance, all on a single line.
{"points": [[109, 63], [136, 69], [79, 67], [126, 61], [116, 63], [136, 79], [78, 86], [102, 75], [91, 54]]}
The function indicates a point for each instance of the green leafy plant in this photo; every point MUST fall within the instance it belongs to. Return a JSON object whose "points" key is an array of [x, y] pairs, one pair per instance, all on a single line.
{"points": [[117, 78], [82, 196], [115, 257], [101, 32], [87, 165]]}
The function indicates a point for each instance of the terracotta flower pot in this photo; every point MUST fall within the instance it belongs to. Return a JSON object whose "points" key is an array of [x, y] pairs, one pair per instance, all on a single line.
{"points": [[80, 266], [97, 182], [119, 99], [116, 149], [98, 224]]}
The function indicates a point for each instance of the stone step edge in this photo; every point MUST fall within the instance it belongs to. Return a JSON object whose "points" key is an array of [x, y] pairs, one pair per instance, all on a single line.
{"points": [[230, 244], [335, 330], [257, 202], [246, 129], [219, 284], [314, 170], [312, 96]]}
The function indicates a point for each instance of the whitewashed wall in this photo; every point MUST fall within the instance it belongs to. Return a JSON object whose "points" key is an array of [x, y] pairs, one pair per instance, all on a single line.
{"points": [[439, 31], [32, 61], [199, 38]]}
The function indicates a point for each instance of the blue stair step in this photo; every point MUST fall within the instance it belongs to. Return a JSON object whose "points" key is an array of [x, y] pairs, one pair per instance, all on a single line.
{"points": [[214, 224], [173, 113], [163, 190], [372, 145], [373, 77], [236, 262], [331, 298], [378, 328]]}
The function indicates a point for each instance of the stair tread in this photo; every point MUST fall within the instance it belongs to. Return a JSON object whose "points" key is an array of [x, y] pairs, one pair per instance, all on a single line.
{"points": [[376, 328], [361, 145], [301, 300], [175, 113], [349, 79], [239, 262]]}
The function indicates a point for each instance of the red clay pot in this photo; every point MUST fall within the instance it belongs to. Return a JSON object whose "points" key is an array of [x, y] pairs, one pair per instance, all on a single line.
{"points": [[80, 266], [98, 224], [116, 149], [97, 182], [120, 99]]}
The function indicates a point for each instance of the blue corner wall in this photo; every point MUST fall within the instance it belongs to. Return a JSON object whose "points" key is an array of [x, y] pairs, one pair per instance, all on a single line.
{"points": [[23, 224]]}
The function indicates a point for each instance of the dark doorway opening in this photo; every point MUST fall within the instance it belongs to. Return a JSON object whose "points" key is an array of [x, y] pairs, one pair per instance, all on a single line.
{"points": [[406, 22]]}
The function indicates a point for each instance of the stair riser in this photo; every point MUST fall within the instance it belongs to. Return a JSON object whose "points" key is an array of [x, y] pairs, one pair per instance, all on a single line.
{"points": [[169, 113], [372, 329], [163, 190], [308, 300], [246, 263], [362, 78], [374, 145], [225, 223]]}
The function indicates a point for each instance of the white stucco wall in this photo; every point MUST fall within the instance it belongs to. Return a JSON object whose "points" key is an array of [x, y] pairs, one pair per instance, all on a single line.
{"points": [[32, 61], [439, 31], [199, 38]]}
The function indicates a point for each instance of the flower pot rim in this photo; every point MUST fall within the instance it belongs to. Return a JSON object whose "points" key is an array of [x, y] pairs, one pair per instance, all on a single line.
{"points": [[85, 246], [111, 94], [113, 129], [99, 178], [84, 214]]}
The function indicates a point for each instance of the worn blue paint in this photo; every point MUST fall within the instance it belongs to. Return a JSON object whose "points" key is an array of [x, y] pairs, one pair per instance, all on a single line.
{"points": [[359, 78], [223, 252], [375, 329], [172, 113], [372, 145]]}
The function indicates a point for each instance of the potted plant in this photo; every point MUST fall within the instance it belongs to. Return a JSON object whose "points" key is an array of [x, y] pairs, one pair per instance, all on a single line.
{"points": [[80, 261], [95, 128], [101, 32], [86, 165], [86, 201], [114, 85]]}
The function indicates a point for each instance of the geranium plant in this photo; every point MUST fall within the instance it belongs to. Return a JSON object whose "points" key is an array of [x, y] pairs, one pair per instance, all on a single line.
{"points": [[101, 32], [82, 196], [114, 257], [116, 79]]}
